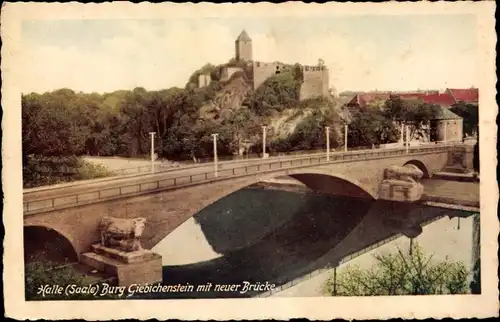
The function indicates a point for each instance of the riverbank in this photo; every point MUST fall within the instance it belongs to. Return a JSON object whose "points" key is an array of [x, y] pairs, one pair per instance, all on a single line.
{"points": [[454, 194]]}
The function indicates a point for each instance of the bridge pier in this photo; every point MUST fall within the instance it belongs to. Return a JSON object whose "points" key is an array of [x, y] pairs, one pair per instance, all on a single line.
{"points": [[120, 253], [142, 267], [402, 184], [460, 159]]}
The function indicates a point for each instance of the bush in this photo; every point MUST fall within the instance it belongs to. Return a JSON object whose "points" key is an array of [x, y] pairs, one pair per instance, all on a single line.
{"points": [[40, 170], [400, 273], [277, 93], [88, 170]]}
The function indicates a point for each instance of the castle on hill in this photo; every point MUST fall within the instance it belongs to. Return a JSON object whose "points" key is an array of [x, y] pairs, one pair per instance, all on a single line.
{"points": [[315, 78]]}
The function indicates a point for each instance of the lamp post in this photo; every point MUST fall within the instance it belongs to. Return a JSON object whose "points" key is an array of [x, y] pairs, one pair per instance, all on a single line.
{"points": [[445, 130], [263, 141], [335, 281], [407, 138], [345, 137], [215, 154], [402, 134], [152, 151], [327, 132]]}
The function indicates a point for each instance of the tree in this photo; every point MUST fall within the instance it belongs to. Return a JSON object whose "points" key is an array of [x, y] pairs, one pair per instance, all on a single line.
{"points": [[400, 273], [54, 124], [395, 109], [139, 115], [371, 127], [162, 106], [470, 115], [298, 74], [310, 133], [239, 126], [414, 113]]}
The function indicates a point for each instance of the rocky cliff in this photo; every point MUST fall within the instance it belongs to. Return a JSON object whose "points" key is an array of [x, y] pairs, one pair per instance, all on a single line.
{"points": [[229, 98], [233, 98]]}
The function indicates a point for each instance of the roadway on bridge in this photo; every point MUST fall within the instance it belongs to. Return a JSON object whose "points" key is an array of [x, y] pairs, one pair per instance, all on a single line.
{"points": [[66, 195], [120, 181]]}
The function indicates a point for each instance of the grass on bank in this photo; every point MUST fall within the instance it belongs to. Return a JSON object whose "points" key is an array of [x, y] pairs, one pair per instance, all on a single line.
{"points": [[42, 171]]}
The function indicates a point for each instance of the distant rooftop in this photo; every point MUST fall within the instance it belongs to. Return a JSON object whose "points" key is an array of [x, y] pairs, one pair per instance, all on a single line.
{"points": [[448, 98], [446, 114], [440, 99], [469, 95], [243, 36]]}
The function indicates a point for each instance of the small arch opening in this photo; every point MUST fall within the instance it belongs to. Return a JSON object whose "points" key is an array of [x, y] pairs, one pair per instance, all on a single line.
{"points": [[421, 166], [43, 244]]}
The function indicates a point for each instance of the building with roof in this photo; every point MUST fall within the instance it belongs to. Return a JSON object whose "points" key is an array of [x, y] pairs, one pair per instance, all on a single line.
{"points": [[446, 126], [243, 46]]}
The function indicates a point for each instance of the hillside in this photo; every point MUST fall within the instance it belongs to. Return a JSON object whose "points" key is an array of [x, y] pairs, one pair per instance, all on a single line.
{"points": [[275, 104]]}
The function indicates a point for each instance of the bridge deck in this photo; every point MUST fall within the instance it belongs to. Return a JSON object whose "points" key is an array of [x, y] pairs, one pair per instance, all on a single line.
{"points": [[35, 202]]}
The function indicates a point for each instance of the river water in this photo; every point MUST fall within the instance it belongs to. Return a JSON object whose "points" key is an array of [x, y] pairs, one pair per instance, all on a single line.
{"points": [[261, 235]]}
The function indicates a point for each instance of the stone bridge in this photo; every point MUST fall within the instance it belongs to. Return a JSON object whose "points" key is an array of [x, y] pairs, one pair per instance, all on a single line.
{"points": [[167, 203]]}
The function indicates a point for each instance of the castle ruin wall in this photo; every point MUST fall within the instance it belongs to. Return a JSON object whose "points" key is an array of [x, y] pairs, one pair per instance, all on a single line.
{"points": [[227, 72], [316, 82]]}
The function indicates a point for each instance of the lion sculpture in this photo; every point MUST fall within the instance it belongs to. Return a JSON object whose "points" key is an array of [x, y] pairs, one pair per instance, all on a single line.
{"points": [[122, 234], [402, 183], [408, 173]]}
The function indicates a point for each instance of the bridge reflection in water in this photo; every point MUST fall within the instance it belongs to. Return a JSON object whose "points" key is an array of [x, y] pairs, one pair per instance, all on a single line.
{"points": [[260, 235]]}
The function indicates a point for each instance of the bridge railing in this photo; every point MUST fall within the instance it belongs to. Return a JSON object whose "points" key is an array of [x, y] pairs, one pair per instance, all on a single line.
{"points": [[132, 172], [105, 194], [160, 165]]}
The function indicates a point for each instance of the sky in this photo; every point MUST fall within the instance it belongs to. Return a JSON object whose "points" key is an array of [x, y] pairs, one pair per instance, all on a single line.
{"points": [[391, 52]]}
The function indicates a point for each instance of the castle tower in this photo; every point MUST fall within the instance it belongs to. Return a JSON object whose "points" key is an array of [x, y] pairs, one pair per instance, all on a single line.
{"points": [[243, 47]]}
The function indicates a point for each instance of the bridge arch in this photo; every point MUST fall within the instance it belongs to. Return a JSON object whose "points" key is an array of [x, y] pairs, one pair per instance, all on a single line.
{"points": [[311, 178], [319, 180], [47, 243], [334, 183], [214, 200], [315, 179], [421, 166]]}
